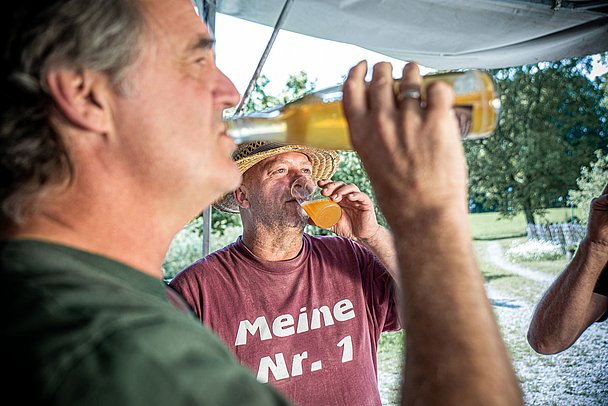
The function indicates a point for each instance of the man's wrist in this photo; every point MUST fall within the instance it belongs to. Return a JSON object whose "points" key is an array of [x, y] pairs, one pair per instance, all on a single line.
{"points": [[593, 250], [372, 239], [431, 218]]}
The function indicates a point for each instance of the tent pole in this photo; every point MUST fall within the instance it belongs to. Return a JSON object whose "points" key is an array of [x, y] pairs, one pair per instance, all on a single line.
{"points": [[206, 10], [275, 32]]}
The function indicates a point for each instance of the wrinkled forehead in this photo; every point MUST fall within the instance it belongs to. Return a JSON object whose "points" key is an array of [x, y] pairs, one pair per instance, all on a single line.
{"points": [[291, 158]]}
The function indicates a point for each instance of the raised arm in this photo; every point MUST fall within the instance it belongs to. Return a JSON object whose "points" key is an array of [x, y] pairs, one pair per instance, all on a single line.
{"points": [[570, 305], [414, 158]]}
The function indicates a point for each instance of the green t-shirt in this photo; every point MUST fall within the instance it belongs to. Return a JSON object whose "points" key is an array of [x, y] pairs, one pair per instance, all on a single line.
{"points": [[81, 329]]}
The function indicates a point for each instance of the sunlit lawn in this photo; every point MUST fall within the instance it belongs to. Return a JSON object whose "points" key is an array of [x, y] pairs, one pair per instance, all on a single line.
{"points": [[492, 226]]}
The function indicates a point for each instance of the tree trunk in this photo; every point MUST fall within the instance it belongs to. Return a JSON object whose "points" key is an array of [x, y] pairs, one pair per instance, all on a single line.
{"points": [[529, 215]]}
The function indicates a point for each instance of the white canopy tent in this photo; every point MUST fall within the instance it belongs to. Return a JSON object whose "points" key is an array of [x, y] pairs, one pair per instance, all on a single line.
{"points": [[445, 34], [440, 34]]}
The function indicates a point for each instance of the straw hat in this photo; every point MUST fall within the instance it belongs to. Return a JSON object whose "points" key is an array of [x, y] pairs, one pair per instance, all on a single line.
{"points": [[324, 164]]}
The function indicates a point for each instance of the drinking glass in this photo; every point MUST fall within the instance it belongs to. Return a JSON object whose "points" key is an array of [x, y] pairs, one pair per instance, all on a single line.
{"points": [[323, 211]]}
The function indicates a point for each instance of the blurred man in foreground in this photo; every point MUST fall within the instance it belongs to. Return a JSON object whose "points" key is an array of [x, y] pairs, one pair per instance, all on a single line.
{"points": [[111, 110], [112, 138]]}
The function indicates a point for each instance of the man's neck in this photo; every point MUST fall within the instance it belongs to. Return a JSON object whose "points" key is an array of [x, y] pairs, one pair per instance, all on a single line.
{"points": [[136, 240], [273, 244]]}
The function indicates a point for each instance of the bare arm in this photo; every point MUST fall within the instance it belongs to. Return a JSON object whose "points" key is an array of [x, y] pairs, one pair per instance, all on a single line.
{"points": [[415, 161], [569, 306], [381, 243]]}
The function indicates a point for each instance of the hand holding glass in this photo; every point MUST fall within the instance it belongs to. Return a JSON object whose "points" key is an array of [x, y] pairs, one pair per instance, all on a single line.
{"points": [[323, 211]]}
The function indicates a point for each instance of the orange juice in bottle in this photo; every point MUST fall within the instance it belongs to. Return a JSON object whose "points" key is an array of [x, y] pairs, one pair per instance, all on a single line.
{"points": [[476, 101], [317, 119]]}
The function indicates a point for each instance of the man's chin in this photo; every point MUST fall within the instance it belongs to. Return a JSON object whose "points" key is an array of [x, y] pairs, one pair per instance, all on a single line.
{"points": [[232, 179], [285, 221]]}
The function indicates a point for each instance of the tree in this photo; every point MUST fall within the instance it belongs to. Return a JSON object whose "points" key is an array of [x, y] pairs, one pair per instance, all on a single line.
{"points": [[591, 183], [552, 121]]}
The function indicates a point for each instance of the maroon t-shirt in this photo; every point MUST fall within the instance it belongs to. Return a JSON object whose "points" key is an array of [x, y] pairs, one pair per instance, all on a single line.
{"points": [[309, 326]]}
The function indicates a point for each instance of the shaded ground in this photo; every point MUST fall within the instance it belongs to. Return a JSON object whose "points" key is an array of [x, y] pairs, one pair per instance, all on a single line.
{"points": [[577, 376]]}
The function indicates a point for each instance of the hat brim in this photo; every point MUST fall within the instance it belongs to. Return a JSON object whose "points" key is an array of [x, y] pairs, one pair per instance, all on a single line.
{"points": [[324, 164]]}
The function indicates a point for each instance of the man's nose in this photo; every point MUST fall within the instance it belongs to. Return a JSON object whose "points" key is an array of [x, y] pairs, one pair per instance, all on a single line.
{"points": [[302, 186], [227, 93], [298, 179]]}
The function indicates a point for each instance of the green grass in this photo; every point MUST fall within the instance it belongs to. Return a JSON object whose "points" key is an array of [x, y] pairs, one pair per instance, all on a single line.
{"points": [[561, 215], [390, 348], [490, 226], [390, 359]]}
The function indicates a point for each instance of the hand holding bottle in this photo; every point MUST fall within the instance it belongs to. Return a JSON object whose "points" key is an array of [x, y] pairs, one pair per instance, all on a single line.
{"points": [[411, 151], [317, 119]]}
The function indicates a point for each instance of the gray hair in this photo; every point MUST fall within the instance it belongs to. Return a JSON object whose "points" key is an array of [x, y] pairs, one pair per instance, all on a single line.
{"points": [[100, 35]]}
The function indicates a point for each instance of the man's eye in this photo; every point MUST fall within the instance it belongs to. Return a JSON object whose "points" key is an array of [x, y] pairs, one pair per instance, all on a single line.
{"points": [[280, 170], [307, 170]]}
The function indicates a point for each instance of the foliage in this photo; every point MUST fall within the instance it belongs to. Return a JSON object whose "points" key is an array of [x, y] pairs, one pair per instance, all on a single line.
{"points": [[297, 86], [185, 248], [227, 237], [351, 171], [534, 250], [591, 183], [391, 351], [552, 121], [259, 100], [220, 221]]}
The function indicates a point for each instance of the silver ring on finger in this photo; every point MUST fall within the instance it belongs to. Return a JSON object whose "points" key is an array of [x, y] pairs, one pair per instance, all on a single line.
{"points": [[410, 92]]}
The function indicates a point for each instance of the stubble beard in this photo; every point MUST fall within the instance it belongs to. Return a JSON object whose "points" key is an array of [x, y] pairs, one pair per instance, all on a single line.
{"points": [[281, 218]]}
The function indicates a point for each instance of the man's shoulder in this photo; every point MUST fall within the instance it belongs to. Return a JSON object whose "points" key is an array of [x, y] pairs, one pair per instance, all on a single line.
{"points": [[326, 239], [334, 242], [339, 249]]}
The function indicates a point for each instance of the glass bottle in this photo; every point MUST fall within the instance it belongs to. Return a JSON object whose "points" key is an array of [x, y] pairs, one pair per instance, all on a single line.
{"points": [[317, 119]]}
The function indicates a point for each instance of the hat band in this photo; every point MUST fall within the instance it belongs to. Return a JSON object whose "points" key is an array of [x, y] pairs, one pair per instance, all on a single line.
{"points": [[262, 148]]}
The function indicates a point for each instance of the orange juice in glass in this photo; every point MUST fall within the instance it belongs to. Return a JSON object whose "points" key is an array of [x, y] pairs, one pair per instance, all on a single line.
{"points": [[323, 211]]}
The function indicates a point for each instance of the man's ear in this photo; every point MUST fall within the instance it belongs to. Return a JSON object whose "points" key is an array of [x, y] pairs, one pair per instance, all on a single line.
{"points": [[240, 195], [81, 95]]}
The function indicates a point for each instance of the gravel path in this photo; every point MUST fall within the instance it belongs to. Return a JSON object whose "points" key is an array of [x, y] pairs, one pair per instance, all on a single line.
{"points": [[495, 255], [577, 376]]}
